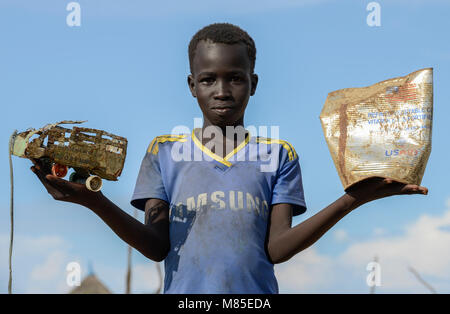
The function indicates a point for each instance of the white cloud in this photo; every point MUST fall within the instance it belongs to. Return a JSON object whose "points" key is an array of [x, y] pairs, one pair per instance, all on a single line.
{"points": [[39, 266], [424, 245], [379, 232], [38, 263], [50, 268], [304, 272], [31, 245], [50, 276], [340, 235]]}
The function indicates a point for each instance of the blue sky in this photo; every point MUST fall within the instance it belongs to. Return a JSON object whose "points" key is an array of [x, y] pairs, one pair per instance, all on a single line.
{"points": [[124, 70]]}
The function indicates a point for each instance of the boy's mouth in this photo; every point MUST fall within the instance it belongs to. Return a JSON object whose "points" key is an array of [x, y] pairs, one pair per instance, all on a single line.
{"points": [[222, 108]]}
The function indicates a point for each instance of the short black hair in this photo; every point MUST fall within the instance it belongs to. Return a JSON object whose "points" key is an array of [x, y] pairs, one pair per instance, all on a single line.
{"points": [[223, 33]]}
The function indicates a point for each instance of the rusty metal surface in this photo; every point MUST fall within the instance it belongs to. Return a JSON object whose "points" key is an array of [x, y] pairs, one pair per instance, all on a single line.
{"points": [[88, 151], [381, 130]]}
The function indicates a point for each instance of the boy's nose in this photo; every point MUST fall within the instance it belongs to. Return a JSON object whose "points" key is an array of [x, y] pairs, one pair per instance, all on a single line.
{"points": [[222, 90]]}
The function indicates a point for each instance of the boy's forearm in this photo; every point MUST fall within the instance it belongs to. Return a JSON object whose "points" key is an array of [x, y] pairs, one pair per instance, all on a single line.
{"points": [[295, 240], [143, 238]]}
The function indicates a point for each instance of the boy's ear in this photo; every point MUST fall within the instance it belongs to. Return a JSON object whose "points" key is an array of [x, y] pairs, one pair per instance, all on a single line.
{"points": [[254, 79], [191, 83]]}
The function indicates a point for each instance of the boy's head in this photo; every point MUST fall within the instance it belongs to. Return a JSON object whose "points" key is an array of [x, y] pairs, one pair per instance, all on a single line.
{"points": [[222, 60], [223, 33]]}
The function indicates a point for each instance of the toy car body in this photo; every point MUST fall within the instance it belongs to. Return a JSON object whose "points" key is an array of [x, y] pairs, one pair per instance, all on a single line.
{"points": [[87, 151]]}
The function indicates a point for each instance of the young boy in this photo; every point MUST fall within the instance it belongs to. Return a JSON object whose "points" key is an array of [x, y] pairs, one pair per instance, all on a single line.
{"points": [[215, 217]]}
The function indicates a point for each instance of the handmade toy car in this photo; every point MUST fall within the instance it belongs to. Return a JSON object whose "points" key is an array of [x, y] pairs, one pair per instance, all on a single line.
{"points": [[93, 154]]}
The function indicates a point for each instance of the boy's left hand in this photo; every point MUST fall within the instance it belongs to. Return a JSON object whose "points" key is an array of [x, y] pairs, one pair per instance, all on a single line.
{"points": [[378, 187]]}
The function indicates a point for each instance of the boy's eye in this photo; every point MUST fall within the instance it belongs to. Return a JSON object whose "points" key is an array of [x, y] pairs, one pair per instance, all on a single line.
{"points": [[237, 79], [207, 80]]}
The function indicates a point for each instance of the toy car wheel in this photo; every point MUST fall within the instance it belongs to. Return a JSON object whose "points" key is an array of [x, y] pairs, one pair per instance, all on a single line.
{"points": [[59, 170], [94, 183], [77, 178]]}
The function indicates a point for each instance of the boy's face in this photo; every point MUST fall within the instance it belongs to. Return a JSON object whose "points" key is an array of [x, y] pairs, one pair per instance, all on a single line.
{"points": [[222, 82]]}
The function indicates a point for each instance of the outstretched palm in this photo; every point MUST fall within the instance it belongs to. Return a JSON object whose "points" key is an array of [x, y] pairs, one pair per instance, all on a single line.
{"points": [[378, 187]]}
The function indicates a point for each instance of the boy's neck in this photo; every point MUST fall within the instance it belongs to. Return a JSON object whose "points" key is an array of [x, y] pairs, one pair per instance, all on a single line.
{"points": [[226, 137]]}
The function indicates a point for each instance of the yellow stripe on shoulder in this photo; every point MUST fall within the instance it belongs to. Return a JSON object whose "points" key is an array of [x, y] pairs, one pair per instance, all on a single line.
{"points": [[292, 154], [153, 147]]}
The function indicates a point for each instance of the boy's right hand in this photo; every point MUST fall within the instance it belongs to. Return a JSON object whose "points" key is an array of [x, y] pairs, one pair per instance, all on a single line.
{"points": [[60, 189]]}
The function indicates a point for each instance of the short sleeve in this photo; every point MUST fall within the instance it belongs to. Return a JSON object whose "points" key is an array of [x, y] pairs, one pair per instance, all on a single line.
{"points": [[149, 183], [288, 186]]}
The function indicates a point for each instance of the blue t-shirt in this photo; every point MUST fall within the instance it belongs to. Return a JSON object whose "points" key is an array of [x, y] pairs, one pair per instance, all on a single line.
{"points": [[219, 209]]}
